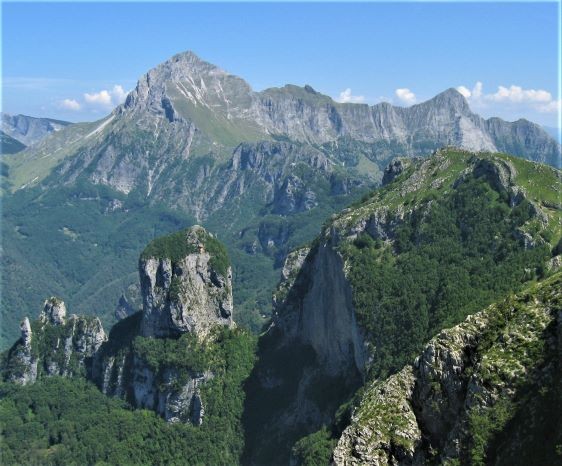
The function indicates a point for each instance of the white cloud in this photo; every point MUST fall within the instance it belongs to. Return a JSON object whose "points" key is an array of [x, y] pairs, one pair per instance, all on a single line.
{"points": [[513, 97], [118, 94], [99, 98], [464, 91], [474, 93], [70, 104], [554, 106], [97, 101], [105, 98], [517, 94], [477, 90], [406, 95], [347, 97]]}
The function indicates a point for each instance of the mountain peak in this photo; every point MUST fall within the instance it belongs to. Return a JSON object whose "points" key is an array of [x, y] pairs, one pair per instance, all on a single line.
{"points": [[450, 97], [185, 65]]}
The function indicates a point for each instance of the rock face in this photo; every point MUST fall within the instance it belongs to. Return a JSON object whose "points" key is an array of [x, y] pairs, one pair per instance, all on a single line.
{"points": [[184, 294], [186, 287], [427, 411], [54, 345], [314, 355], [29, 130], [160, 393], [187, 107], [187, 295], [315, 313]]}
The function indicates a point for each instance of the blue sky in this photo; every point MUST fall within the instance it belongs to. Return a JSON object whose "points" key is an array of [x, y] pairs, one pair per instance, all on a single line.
{"points": [[58, 59]]}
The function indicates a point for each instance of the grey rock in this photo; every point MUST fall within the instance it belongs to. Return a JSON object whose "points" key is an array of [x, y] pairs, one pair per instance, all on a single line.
{"points": [[186, 296], [30, 130], [80, 338], [54, 311], [421, 413]]}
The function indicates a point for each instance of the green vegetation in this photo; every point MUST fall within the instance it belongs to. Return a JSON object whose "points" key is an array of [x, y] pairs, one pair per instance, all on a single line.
{"points": [[59, 421], [89, 271], [452, 256], [314, 449], [9, 145], [183, 354], [180, 244], [174, 246], [525, 428]]}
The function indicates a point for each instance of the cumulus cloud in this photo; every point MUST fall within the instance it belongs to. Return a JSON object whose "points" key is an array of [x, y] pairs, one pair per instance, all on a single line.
{"points": [[347, 97], [70, 104], [517, 94], [474, 93], [105, 98], [406, 96], [535, 99], [554, 106]]}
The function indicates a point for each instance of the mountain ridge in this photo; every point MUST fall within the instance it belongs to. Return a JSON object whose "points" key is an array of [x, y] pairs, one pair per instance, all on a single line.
{"points": [[212, 106], [30, 130]]}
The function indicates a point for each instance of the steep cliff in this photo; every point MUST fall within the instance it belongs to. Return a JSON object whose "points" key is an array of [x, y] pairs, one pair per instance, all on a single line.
{"points": [[161, 358], [186, 285], [469, 391], [446, 236], [53, 345]]}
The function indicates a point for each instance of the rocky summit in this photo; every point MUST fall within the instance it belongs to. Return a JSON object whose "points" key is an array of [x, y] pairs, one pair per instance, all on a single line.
{"points": [[187, 291], [182, 291]]}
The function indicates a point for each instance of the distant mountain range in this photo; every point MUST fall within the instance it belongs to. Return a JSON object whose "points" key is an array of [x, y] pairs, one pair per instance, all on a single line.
{"points": [[193, 143], [30, 130]]}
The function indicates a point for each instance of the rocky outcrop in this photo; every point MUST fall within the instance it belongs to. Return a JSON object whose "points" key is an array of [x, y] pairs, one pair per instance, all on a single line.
{"points": [[54, 312], [427, 411], [186, 287], [54, 345], [159, 392], [184, 293]]}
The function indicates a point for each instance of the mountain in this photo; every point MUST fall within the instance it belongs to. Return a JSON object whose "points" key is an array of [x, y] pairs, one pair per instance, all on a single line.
{"points": [[445, 237], [181, 357], [30, 130], [422, 325], [194, 144], [187, 107], [9, 145]]}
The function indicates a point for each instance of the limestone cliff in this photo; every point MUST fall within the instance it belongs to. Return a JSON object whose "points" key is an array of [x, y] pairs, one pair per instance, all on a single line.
{"points": [[329, 333], [459, 395], [151, 358], [158, 358], [54, 345], [182, 291]]}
